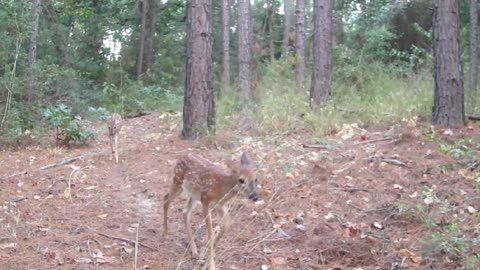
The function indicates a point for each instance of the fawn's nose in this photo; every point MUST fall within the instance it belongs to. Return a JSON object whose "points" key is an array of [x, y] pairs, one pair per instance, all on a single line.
{"points": [[253, 197]]}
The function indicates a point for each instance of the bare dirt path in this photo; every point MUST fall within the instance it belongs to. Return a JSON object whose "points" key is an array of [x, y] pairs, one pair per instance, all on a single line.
{"points": [[343, 204]]}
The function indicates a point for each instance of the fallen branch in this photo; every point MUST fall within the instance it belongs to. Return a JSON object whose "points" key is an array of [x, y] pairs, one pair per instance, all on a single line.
{"points": [[474, 117], [390, 161], [123, 239], [352, 189], [372, 141], [49, 166], [317, 146]]}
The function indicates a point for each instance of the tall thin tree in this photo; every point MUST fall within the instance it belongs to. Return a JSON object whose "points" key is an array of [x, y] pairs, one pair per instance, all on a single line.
{"points": [[300, 45], [448, 99], [199, 106], [143, 8], [287, 24], [272, 9], [32, 51], [322, 52], [244, 50], [152, 30], [225, 44], [472, 71]]}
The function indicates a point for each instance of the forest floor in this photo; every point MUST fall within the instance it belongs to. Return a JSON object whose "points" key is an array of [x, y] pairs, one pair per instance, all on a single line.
{"points": [[392, 197]]}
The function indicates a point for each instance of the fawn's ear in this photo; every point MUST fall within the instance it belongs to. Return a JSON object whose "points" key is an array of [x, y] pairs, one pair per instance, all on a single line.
{"points": [[231, 164], [245, 160]]}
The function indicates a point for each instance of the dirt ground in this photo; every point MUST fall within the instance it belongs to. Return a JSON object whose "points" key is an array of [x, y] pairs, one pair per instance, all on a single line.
{"points": [[361, 201]]}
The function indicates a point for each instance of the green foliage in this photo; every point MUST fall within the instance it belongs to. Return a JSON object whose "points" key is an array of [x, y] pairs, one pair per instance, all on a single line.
{"points": [[135, 98], [366, 94], [449, 239], [69, 128]]}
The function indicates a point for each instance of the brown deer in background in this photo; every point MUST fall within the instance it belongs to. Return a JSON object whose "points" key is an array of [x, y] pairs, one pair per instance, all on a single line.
{"points": [[114, 127], [212, 185]]}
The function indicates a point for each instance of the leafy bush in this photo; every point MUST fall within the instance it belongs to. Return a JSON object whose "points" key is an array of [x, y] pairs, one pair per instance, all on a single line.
{"points": [[69, 128]]}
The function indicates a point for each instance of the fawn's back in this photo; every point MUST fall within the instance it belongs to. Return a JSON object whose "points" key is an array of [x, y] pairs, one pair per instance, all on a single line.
{"points": [[203, 180]]}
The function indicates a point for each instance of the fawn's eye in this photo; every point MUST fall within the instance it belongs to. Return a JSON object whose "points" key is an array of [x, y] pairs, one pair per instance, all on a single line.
{"points": [[241, 180]]}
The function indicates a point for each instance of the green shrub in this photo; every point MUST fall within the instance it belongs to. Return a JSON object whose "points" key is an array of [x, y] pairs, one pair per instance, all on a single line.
{"points": [[68, 127]]}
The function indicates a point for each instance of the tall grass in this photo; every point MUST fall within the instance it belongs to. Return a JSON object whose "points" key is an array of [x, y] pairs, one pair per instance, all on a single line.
{"points": [[370, 94]]}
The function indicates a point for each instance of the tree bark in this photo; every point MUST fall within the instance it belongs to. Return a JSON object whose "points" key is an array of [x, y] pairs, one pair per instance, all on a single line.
{"points": [[322, 52], [271, 31], [225, 44], [152, 30], [244, 50], [287, 8], [199, 106], [143, 7], [300, 45], [448, 101], [472, 77], [32, 51]]}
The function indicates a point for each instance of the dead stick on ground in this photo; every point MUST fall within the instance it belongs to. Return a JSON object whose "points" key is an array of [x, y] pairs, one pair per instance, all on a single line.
{"points": [[136, 246], [49, 166], [122, 239], [372, 141]]}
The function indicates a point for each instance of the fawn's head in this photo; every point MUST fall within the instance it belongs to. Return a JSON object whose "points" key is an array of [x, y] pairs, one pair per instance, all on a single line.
{"points": [[114, 123], [244, 173]]}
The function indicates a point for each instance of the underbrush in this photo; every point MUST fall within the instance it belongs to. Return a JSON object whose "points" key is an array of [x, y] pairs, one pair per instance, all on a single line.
{"points": [[449, 214], [371, 94]]}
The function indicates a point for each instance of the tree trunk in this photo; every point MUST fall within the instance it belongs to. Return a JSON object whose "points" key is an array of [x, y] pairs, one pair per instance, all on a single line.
{"points": [[472, 77], [225, 44], [143, 7], [339, 32], [244, 50], [287, 8], [271, 31], [32, 51], [300, 45], [448, 99], [150, 48], [322, 52], [199, 106]]}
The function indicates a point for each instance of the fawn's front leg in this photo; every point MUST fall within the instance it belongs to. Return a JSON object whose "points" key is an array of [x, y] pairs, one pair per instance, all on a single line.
{"points": [[226, 222], [116, 148], [186, 217], [211, 240]]}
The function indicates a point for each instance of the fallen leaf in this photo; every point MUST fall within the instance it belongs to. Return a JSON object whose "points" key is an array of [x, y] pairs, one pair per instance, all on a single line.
{"points": [[52, 259], [83, 260], [264, 193], [397, 186], [405, 253], [472, 210], [428, 201], [301, 227], [97, 253], [105, 259], [377, 225], [414, 260], [8, 245], [329, 216], [278, 261], [351, 231]]}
